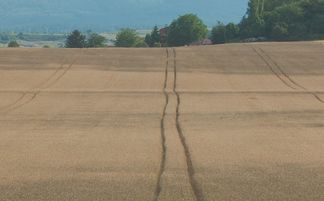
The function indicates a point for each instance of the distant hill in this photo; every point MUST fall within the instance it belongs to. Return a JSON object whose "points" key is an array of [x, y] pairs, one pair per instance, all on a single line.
{"points": [[110, 15]]}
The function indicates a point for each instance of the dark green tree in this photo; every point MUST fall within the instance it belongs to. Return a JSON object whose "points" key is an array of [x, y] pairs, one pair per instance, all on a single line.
{"points": [[20, 36], [75, 40], [140, 42], [13, 44], [280, 31], [95, 40], [148, 40], [186, 30], [278, 20], [126, 38], [155, 35], [287, 19], [314, 16], [218, 34], [222, 34], [153, 39], [157, 45], [232, 31], [252, 24]]}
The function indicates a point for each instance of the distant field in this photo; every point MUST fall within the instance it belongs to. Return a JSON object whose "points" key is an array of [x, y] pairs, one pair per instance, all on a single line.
{"points": [[33, 39], [321, 41], [237, 122], [53, 40]]}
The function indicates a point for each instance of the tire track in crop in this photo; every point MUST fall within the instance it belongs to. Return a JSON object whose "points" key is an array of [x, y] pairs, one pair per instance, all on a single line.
{"points": [[63, 73], [163, 138], [63, 62], [45, 84], [289, 78], [271, 68], [190, 168], [25, 93]]}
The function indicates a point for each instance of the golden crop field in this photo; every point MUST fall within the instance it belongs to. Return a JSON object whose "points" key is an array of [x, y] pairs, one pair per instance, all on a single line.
{"points": [[237, 122]]}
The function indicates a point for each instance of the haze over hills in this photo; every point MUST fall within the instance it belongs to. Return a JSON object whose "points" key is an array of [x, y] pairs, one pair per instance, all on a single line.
{"points": [[110, 15]]}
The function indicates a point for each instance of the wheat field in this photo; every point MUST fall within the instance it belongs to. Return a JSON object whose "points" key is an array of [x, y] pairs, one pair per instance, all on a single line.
{"points": [[237, 122]]}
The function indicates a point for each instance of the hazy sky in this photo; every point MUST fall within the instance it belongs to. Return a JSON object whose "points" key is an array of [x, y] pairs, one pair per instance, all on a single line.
{"points": [[101, 14]]}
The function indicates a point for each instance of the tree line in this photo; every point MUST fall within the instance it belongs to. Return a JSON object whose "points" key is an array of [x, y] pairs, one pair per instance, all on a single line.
{"points": [[271, 20], [184, 30], [275, 20], [78, 40]]}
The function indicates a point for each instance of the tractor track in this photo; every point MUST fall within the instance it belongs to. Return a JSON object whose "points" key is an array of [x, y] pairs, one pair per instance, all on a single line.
{"points": [[289, 78], [25, 93], [291, 83], [13, 105], [280, 69], [43, 85], [195, 187], [271, 68], [158, 187], [190, 168], [44, 82]]}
